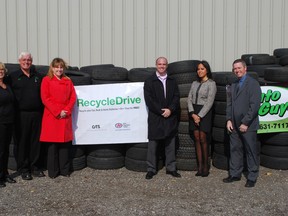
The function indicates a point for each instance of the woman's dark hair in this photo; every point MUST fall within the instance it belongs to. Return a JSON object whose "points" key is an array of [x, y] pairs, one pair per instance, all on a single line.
{"points": [[207, 66]]}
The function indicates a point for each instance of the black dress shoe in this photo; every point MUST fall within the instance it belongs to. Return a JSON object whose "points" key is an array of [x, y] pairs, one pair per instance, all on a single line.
{"points": [[2, 184], [250, 183], [205, 174], [173, 173], [9, 179], [149, 175], [38, 174], [26, 176], [230, 179], [198, 173]]}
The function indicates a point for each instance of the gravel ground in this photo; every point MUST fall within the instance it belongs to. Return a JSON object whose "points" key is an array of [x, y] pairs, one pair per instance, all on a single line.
{"points": [[123, 192]]}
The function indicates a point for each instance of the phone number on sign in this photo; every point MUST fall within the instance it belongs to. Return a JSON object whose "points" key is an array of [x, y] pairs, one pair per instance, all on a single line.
{"points": [[273, 126]]}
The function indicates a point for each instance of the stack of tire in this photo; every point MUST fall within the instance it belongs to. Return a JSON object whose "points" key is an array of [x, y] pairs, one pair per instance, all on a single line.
{"points": [[258, 62], [220, 138], [274, 146], [184, 72], [106, 74], [108, 156], [136, 153]]}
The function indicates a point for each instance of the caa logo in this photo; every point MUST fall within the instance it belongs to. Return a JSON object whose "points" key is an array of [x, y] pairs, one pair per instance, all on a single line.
{"points": [[118, 125]]}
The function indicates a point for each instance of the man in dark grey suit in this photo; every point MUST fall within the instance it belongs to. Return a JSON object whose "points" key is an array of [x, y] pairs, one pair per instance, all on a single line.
{"points": [[242, 123]]}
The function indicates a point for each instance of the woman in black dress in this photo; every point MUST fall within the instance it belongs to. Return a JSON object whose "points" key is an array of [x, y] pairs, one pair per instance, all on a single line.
{"points": [[6, 126], [200, 100]]}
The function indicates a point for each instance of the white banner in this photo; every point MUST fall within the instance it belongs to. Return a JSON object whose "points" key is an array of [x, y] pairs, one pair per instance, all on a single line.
{"points": [[109, 114], [273, 113]]}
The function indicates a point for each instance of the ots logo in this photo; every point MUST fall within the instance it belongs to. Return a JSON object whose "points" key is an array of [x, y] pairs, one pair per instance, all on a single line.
{"points": [[118, 125], [95, 126]]}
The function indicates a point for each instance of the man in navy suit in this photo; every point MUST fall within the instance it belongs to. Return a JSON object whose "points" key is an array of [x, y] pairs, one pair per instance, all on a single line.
{"points": [[243, 104]]}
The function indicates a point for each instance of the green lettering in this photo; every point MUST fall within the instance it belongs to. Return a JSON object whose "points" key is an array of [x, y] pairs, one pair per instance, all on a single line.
{"points": [[264, 109], [283, 109]]}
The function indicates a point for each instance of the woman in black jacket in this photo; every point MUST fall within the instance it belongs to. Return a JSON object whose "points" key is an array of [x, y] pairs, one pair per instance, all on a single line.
{"points": [[6, 126]]}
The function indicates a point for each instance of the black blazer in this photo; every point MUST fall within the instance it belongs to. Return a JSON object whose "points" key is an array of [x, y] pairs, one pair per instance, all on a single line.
{"points": [[158, 126]]}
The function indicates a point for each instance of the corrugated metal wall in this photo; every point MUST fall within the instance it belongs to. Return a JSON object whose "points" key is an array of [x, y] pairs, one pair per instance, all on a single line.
{"points": [[132, 33]]}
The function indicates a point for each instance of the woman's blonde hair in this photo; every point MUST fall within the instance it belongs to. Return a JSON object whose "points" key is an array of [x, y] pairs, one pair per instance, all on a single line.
{"points": [[55, 63], [2, 66]]}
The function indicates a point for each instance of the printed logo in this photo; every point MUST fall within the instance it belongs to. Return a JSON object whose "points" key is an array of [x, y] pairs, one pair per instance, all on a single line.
{"points": [[118, 125]]}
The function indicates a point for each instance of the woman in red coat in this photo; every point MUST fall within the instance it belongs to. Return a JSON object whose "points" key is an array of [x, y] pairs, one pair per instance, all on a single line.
{"points": [[58, 96]]}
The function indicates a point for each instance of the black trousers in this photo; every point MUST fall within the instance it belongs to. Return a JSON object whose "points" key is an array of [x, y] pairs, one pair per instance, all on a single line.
{"points": [[170, 161], [58, 160], [5, 139], [28, 128]]}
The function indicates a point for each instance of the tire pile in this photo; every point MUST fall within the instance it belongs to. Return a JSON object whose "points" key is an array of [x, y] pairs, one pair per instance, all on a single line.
{"points": [[184, 72], [274, 146], [269, 70]]}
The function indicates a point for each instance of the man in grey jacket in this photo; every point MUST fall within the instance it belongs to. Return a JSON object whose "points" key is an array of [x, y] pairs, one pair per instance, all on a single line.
{"points": [[242, 123]]}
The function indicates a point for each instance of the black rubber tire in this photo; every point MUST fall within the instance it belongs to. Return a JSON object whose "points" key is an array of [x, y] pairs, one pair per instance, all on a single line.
{"points": [[184, 115], [277, 74], [275, 151], [283, 60], [183, 127], [137, 145], [219, 148], [140, 74], [259, 69], [220, 161], [278, 53], [135, 165], [136, 153], [88, 69], [79, 78], [185, 78], [224, 78], [11, 67], [183, 103], [220, 107], [219, 121], [186, 164], [263, 60], [101, 82], [184, 90], [106, 151], [220, 134], [185, 141], [43, 69], [182, 66], [78, 163], [274, 162], [140, 166], [186, 153], [248, 58], [77, 151], [278, 139], [105, 163], [114, 73], [221, 93]]}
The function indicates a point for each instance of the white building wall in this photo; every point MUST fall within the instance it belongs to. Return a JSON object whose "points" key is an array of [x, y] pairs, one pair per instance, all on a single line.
{"points": [[132, 33]]}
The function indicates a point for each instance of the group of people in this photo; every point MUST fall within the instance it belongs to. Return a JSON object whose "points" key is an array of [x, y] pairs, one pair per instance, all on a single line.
{"points": [[39, 107], [243, 101]]}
